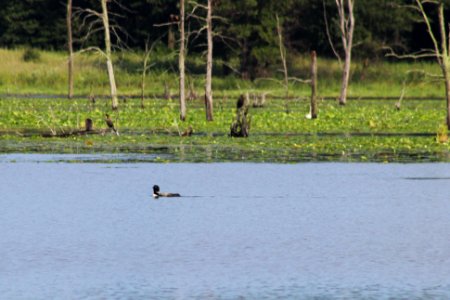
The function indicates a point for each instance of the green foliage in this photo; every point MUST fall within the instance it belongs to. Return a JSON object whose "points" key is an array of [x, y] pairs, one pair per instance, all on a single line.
{"points": [[49, 75], [245, 29], [36, 23], [31, 55], [358, 132]]}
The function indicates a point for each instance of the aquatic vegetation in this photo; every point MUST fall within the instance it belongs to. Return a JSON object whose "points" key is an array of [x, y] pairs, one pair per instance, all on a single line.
{"points": [[361, 131], [372, 130]]}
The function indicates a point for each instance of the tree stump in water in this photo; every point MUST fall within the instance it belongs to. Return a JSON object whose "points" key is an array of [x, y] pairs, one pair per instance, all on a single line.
{"points": [[241, 126], [88, 125]]}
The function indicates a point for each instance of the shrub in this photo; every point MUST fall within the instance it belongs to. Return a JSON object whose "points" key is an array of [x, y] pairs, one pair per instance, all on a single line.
{"points": [[31, 55]]}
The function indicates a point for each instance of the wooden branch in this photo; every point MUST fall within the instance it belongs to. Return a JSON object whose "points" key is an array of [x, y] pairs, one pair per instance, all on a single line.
{"points": [[430, 31], [93, 12], [53, 134], [425, 53], [437, 76], [282, 55], [299, 80], [327, 28], [198, 5], [313, 105], [96, 49], [165, 24]]}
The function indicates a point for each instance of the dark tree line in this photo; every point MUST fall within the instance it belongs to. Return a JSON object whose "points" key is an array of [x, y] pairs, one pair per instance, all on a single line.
{"points": [[246, 30]]}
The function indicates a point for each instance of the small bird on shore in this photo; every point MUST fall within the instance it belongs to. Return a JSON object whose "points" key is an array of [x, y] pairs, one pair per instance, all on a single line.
{"points": [[188, 131], [157, 193], [110, 124]]}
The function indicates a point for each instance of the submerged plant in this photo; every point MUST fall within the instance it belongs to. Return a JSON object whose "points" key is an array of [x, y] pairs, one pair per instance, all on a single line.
{"points": [[442, 134]]}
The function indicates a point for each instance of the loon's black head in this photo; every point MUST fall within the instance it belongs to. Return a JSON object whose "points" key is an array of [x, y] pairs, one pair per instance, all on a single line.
{"points": [[155, 189]]}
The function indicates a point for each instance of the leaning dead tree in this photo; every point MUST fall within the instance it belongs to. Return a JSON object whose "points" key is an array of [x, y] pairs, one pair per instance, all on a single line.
{"points": [[70, 48], [440, 49], [209, 64], [180, 21], [314, 109], [283, 57], [346, 24], [95, 22], [208, 27], [181, 62], [109, 65], [282, 49], [146, 66]]}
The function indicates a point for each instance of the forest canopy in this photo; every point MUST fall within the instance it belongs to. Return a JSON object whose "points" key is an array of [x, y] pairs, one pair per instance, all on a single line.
{"points": [[245, 29]]}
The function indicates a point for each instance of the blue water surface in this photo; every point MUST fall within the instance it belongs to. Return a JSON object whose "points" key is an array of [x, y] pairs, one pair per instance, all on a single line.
{"points": [[240, 231]]}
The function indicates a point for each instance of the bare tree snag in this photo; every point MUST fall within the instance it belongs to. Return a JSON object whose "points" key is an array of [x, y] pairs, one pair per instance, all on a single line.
{"points": [[241, 126], [145, 68], [170, 32], [143, 89], [346, 27], [209, 65], [398, 104], [445, 61], [192, 94], [88, 125], [181, 62], [314, 110], [441, 52], [167, 94], [70, 49], [283, 57], [170, 38], [283, 60], [109, 65]]}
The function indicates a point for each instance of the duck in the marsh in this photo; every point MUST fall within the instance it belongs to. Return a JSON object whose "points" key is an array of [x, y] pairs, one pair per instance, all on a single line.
{"points": [[157, 193], [188, 131], [110, 124]]}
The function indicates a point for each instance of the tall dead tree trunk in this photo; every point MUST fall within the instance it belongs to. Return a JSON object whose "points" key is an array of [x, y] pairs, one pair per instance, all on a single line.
{"points": [[445, 62], [144, 73], [314, 110], [170, 38], [283, 57], [209, 65], [70, 49], [346, 27], [284, 62], [441, 51], [181, 63], [109, 65]]}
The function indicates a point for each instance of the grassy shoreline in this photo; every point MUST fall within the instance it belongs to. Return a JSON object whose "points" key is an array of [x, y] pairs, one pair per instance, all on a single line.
{"points": [[369, 130], [361, 131], [48, 75]]}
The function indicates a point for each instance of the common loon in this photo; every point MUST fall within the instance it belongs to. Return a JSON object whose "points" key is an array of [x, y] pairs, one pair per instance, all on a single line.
{"points": [[157, 193]]}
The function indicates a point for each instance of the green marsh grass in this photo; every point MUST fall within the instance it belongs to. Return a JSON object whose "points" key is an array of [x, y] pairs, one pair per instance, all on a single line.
{"points": [[49, 75], [361, 131], [355, 132]]}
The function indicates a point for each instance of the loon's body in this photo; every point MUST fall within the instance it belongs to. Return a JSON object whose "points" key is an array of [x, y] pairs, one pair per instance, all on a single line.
{"points": [[157, 193]]}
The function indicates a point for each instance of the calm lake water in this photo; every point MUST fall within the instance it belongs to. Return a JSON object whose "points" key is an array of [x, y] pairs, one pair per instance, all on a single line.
{"points": [[241, 231]]}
